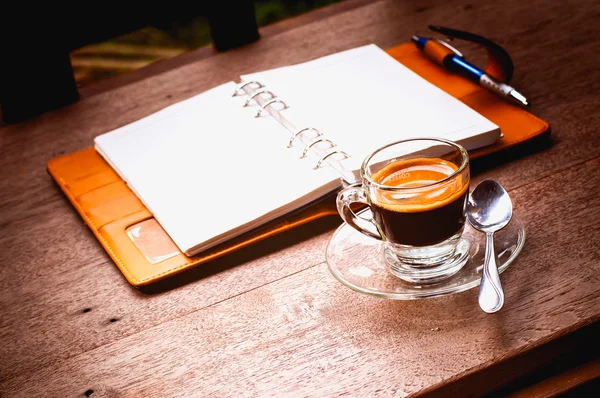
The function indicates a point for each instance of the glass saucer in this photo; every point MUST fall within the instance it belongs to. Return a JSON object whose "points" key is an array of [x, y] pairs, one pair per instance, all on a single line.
{"points": [[357, 262]]}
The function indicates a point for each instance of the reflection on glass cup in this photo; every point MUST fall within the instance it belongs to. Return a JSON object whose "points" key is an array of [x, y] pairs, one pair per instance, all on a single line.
{"points": [[417, 191]]}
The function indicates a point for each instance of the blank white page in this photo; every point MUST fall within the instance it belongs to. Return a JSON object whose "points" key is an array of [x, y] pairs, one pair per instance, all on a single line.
{"points": [[206, 167], [362, 99]]}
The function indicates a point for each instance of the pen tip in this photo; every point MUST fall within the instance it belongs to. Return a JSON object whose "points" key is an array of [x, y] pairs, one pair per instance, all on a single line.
{"points": [[519, 97], [415, 39]]}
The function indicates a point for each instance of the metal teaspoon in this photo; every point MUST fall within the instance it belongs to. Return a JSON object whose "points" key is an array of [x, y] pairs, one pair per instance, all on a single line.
{"points": [[489, 210]]}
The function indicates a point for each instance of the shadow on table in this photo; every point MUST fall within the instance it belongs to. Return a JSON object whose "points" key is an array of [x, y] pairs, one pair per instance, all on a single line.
{"points": [[488, 162], [259, 249]]}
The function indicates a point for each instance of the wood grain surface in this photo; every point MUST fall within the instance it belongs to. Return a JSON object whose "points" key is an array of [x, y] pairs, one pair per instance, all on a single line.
{"points": [[299, 334], [271, 320]]}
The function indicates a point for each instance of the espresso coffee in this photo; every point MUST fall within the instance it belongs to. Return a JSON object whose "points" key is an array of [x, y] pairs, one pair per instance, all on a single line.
{"points": [[420, 216]]}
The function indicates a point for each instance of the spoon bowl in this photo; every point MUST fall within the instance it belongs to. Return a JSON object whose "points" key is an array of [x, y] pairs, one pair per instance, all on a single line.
{"points": [[489, 210]]}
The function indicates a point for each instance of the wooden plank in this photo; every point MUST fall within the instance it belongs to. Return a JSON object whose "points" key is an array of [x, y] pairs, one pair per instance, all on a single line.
{"points": [[309, 335], [74, 290], [52, 268], [563, 382], [560, 363]]}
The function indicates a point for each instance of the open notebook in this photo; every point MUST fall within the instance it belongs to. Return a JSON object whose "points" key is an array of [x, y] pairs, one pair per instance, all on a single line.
{"points": [[209, 170]]}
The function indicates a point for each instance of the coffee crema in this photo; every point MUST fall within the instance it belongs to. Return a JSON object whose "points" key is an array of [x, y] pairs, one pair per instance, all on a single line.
{"points": [[421, 215]]}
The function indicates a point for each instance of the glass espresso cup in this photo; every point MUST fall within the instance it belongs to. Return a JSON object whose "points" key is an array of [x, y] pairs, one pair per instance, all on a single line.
{"points": [[417, 191]]}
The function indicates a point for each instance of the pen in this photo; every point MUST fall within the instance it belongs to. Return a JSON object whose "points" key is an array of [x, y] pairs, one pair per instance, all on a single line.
{"points": [[452, 60]]}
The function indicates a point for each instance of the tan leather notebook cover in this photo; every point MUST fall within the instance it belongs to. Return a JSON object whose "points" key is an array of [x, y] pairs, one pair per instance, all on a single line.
{"points": [[142, 249]]}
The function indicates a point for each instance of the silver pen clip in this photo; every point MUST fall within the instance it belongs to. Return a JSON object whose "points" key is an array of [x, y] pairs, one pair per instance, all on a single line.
{"points": [[449, 47]]}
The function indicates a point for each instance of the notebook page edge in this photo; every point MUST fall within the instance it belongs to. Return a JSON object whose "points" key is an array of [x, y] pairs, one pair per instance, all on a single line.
{"points": [[277, 213]]}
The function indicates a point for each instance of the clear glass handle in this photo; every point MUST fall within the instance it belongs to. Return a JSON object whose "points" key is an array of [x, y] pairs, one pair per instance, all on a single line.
{"points": [[356, 194]]}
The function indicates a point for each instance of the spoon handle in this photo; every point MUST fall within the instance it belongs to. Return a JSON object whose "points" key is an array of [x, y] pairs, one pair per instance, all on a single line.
{"points": [[491, 296]]}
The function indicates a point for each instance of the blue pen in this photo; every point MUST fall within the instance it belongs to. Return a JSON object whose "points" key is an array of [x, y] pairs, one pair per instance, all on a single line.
{"points": [[452, 60]]}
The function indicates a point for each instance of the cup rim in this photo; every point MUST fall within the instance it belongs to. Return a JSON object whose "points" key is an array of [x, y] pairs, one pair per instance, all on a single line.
{"points": [[464, 164]]}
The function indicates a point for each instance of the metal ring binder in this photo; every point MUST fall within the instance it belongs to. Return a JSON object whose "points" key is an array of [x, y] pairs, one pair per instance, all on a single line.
{"points": [[244, 84], [259, 92], [346, 156], [297, 133], [269, 103], [254, 88], [314, 142]]}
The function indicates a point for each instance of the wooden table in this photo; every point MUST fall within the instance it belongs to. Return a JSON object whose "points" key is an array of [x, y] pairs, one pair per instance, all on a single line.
{"points": [[272, 320]]}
